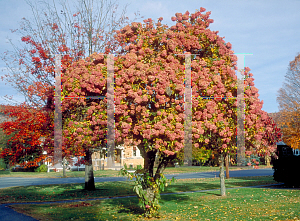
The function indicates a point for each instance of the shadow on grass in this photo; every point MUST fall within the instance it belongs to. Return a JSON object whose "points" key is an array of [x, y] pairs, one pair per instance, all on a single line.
{"points": [[173, 188], [4, 172], [282, 186], [260, 179], [208, 193], [130, 205]]}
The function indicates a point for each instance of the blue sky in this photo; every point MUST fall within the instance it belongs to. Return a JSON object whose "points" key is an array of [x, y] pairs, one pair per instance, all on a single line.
{"points": [[268, 29]]}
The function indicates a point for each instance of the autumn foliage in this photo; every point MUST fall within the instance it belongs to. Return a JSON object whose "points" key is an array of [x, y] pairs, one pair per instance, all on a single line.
{"points": [[25, 146], [73, 33], [31, 66], [289, 105]]}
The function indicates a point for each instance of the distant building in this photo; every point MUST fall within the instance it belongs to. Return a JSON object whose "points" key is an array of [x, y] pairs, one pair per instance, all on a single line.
{"points": [[285, 150], [129, 155], [4, 117], [123, 154]]}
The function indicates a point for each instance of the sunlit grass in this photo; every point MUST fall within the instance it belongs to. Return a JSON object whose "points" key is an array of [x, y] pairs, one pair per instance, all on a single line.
{"points": [[239, 204]]}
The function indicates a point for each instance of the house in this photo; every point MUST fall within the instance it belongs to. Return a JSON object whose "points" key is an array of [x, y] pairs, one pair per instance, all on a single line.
{"points": [[129, 155], [285, 150]]}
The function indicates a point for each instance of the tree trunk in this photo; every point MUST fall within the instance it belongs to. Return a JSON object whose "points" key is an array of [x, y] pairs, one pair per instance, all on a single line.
{"points": [[222, 176], [268, 161], [227, 166], [149, 161], [89, 173], [152, 191], [64, 168]]}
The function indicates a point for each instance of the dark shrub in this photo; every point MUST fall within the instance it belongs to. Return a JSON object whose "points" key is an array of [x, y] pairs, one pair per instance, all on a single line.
{"points": [[22, 169], [287, 170]]}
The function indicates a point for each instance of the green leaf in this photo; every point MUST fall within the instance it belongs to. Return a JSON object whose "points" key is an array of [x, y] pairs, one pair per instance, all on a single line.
{"points": [[162, 187], [146, 198]]}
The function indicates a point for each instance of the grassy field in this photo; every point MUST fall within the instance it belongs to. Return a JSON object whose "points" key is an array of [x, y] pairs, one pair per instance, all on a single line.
{"points": [[239, 204], [113, 173]]}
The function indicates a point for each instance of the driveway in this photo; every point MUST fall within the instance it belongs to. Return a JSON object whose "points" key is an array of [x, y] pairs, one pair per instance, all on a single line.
{"points": [[8, 214]]}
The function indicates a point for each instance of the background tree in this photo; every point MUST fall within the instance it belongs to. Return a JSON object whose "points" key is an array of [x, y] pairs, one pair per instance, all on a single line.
{"points": [[23, 142], [85, 120], [4, 162], [5, 144], [289, 105], [271, 136], [72, 30], [24, 146]]}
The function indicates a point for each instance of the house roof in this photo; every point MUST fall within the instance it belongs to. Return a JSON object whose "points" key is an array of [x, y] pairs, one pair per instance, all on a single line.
{"points": [[280, 143]]}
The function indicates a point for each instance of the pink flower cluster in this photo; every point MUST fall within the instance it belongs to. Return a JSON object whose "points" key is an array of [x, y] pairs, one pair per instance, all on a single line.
{"points": [[79, 130], [168, 152]]}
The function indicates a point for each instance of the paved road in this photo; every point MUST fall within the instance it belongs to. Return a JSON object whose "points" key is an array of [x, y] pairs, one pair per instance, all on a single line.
{"points": [[15, 181]]}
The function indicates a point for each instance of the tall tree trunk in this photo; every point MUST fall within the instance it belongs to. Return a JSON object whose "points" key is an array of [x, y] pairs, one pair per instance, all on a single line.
{"points": [[89, 173], [222, 176], [227, 166]]}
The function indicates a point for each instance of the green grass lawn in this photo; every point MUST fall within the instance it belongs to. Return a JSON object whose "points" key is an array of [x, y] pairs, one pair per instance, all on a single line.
{"points": [[239, 204], [113, 173]]}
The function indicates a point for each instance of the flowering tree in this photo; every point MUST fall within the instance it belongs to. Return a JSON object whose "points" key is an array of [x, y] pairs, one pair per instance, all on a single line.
{"points": [[271, 135], [150, 91], [74, 32], [261, 134], [149, 96], [85, 120], [267, 146]]}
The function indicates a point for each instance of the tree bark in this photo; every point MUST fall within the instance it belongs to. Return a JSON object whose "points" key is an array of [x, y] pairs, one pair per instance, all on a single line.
{"points": [[149, 162], [152, 191], [89, 173], [268, 159], [222, 176], [64, 168], [161, 167], [227, 166]]}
